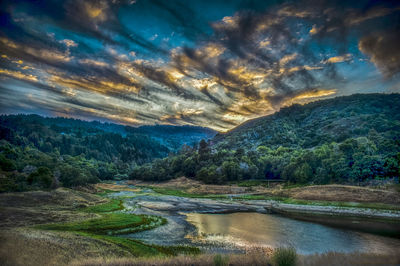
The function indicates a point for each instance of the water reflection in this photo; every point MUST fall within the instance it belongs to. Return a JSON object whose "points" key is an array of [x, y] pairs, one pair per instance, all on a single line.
{"points": [[255, 229]]}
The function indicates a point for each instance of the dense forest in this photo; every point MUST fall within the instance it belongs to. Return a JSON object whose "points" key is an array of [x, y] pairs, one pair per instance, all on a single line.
{"points": [[348, 139], [38, 152]]}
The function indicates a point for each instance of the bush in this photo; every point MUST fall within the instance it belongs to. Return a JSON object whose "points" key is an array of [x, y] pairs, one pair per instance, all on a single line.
{"points": [[220, 260], [42, 177], [6, 164], [284, 256]]}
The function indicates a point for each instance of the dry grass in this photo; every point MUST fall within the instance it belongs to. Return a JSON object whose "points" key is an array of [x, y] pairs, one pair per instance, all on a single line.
{"points": [[344, 259], [35, 247], [115, 187], [341, 193], [194, 187], [37, 207], [199, 260], [25, 246], [327, 259]]}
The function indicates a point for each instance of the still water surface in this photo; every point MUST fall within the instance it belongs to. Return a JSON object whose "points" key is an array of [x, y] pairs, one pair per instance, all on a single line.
{"points": [[255, 229]]}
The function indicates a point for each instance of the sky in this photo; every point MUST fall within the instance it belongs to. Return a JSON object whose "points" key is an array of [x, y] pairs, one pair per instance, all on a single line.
{"points": [[207, 63]]}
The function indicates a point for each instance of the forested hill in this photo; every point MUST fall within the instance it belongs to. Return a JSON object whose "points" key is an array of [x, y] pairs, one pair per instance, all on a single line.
{"points": [[316, 123], [172, 137], [39, 152], [342, 140]]}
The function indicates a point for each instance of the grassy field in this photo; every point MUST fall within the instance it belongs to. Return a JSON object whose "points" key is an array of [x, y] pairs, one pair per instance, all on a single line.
{"points": [[109, 224], [84, 224], [288, 200], [386, 198], [61, 226], [256, 259], [112, 205], [112, 222]]}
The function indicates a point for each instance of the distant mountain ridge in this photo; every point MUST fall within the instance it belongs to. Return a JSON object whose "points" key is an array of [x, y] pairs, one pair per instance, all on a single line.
{"points": [[172, 137], [38, 152]]}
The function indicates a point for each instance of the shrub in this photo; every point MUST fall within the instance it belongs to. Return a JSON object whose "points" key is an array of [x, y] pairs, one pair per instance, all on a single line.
{"points": [[41, 177], [284, 256], [220, 260], [6, 164]]}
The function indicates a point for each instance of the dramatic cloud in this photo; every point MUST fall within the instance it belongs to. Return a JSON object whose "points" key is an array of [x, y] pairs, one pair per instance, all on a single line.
{"points": [[208, 63], [384, 50]]}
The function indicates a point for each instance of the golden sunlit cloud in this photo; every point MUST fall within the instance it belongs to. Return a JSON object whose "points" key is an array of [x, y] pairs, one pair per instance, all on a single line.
{"points": [[314, 30], [18, 75], [69, 43], [309, 96], [97, 10], [9, 43], [313, 94], [338, 59], [287, 58]]}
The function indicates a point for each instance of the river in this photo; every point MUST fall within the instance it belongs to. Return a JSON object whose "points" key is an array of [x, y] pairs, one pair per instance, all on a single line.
{"points": [[241, 226], [256, 229]]}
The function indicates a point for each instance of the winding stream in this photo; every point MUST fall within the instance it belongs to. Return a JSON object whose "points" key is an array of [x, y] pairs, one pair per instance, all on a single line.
{"points": [[241, 227]]}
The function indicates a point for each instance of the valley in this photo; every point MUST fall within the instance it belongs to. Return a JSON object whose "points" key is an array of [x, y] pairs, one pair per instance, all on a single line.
{"points": [[58, 220]]}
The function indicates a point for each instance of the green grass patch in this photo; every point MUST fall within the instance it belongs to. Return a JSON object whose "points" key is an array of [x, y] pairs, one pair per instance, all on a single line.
{"points": [[139, 249], [113, 205], [180, 193], [255, 197], [110, 224], [220, 260]]}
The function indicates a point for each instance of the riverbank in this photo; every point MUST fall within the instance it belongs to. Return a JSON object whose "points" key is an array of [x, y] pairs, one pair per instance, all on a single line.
{"points": [[358, 208], [56, 227], [377, 221], [384, 196]]}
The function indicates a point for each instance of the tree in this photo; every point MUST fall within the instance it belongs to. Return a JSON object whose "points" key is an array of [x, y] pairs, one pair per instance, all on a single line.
{"points": [[231, 170], [42, 177], [210, 175], [189, 167], [204, 151], [6, 164]]}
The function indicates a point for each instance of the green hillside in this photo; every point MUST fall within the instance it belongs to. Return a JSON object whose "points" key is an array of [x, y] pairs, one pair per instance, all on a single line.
{"points": [[39, 152], [342, 140]]}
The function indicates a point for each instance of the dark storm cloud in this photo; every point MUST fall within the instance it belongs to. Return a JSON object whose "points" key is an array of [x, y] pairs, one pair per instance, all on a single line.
{"points": [[384, 51]]}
